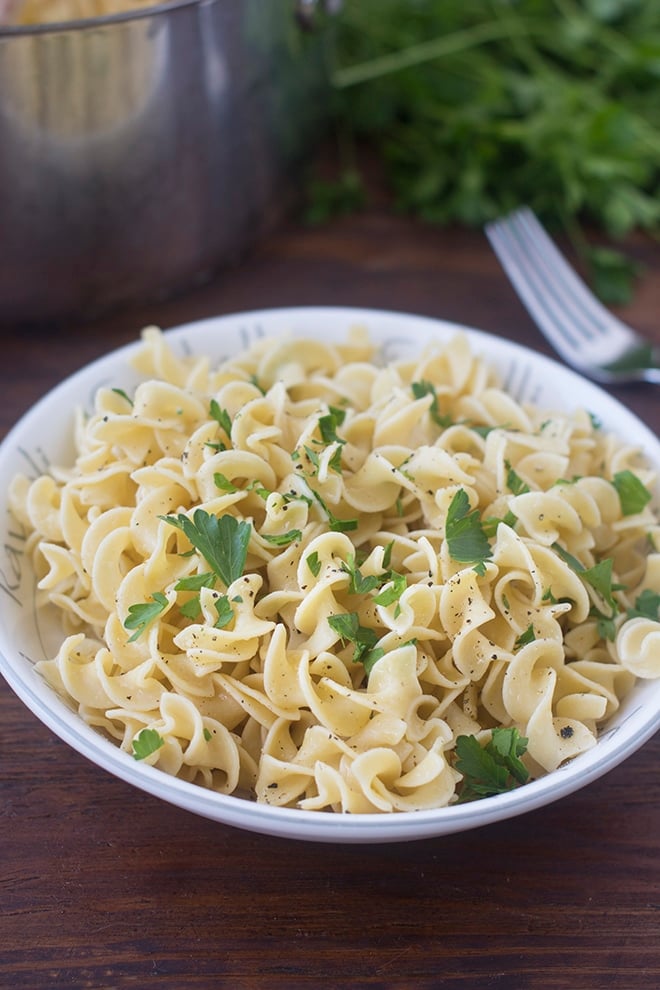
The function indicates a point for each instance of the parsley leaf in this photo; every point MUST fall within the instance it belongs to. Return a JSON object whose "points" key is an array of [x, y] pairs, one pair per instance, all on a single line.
{"points": [[599, 576], [146, 742], [282, 539], [646, 606], [527, 637], [360, 584], [120, 392], [491, 769], [222, 541], [347, 626], [633, 495], [422, 388], [392, 594], [464, 533], [195, 581], [224, 610], [222, 482], [335, 524], [314, 563], [514, 482], [143, 614], [328, 425], [221, 416]]}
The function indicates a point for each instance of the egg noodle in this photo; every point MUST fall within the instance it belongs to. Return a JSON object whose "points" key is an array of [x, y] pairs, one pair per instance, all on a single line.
{"points": [[299, 576]]}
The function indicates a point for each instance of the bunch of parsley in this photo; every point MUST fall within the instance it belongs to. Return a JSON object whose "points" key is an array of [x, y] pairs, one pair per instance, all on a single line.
{"points": [[476, 108]]}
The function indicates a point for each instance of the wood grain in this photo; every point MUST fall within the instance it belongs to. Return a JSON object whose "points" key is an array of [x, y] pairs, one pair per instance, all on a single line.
{"points": [[106, 887]]}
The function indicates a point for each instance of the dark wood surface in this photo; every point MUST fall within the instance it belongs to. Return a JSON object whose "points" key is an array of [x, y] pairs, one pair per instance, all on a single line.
{"points": [[104, 887]]}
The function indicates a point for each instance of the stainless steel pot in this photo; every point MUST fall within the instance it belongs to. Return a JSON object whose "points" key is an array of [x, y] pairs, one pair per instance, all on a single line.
{"points": [[141, 151]]}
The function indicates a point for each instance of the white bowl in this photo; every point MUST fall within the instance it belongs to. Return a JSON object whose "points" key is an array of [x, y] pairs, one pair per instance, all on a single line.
{"points": [[43, 436]]}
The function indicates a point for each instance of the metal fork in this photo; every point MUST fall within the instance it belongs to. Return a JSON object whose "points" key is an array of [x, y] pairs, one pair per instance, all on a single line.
{"points": [[579, 327]]}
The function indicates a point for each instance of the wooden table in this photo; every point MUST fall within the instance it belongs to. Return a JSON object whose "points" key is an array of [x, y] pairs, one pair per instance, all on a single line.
{"points": [[104, 887]]}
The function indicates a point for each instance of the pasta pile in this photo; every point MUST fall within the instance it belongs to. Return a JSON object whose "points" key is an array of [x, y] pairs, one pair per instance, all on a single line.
{"points": [[300, 577], [28, 12]]}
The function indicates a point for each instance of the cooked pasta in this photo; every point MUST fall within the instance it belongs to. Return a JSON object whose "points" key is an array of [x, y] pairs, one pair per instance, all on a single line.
{"points": [[300, 576], [29, 12]]}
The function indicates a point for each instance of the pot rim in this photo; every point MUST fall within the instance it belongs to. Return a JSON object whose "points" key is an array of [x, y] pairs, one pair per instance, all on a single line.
{"points": [[90, 23]]}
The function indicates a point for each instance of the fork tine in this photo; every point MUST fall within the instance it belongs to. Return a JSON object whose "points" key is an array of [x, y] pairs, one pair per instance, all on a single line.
{"points": [[535, 237], [556, 297]]}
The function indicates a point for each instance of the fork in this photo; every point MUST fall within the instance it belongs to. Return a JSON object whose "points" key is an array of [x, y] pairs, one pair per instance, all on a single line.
{"points": [[582, 331]]}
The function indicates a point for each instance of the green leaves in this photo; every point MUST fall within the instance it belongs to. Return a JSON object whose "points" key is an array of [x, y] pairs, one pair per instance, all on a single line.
{"points": [[464, 533], [146, 742], [222, 541], [347, 626], [143, 614], [422, 388], [491, 769], [647, 606], [633, 495], [476, 108]]}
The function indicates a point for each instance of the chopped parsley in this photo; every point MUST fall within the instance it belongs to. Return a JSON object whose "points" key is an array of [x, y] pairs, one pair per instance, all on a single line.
{"points": [[146, 742], [222, 541], [143, 614], [120, 392], [494, 768], [221, 416], [422, 388], [224, 610], [314, 563], [647, 606], [282, 539], [347, 626], [464, 533], [514, 482], [527, 637], [633, 495]]}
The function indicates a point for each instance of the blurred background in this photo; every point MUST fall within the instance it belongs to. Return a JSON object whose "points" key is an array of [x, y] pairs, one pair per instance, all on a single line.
{"points": [[144, 145]]}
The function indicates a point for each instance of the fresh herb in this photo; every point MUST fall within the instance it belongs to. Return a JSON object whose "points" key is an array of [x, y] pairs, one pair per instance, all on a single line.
{"points": [[222, 541], [335, 524], [259, 489], [514, 482], [646, 606], [334, 463], [192, 608], [422, 388], [143, 614], [146, 742], [360, 584], [347, 626], [222, 482], [491, 769], [224, 610], [490, 524], [474, 108], [599, 576], [313, 457], [221, 416], [120, 392], [328, 425], [527, 637], [633, 495], [464, 533], [392, 594], [282, 539], [314, 563], [195, 581]]}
